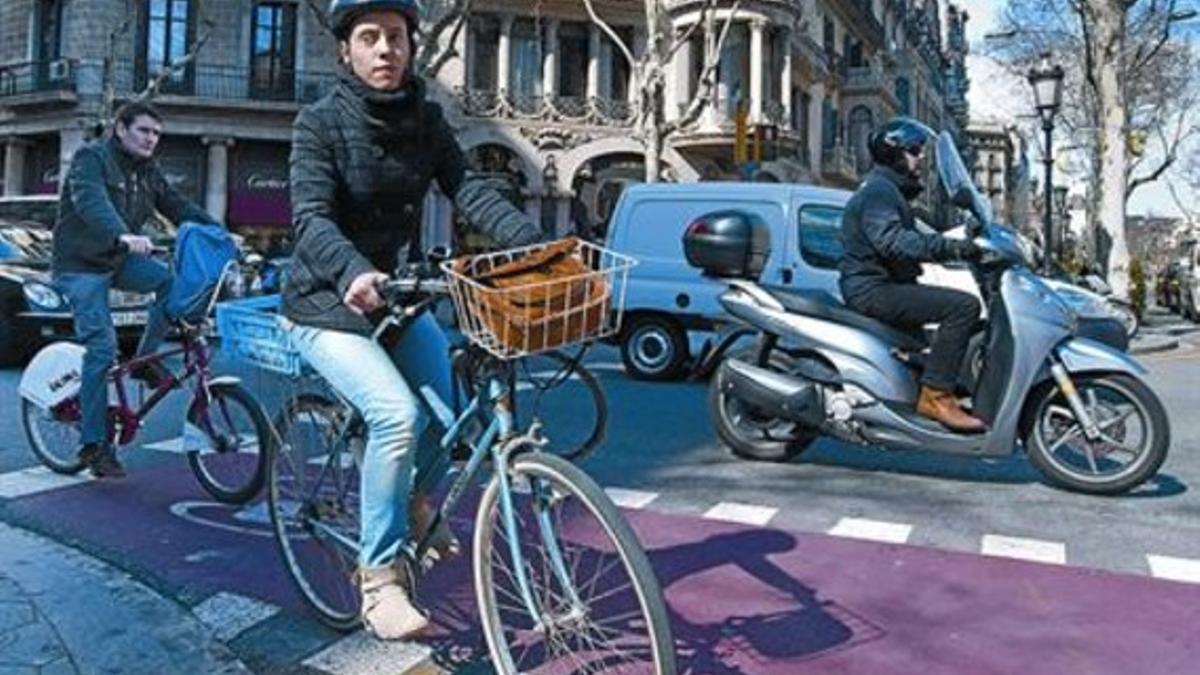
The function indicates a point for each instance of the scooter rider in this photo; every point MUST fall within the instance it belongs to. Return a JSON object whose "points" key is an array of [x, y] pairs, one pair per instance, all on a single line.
{"points": [[883, 256]]}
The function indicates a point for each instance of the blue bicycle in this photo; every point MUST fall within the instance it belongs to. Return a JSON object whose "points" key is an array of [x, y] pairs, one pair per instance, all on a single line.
{"points": [[561, 582]]}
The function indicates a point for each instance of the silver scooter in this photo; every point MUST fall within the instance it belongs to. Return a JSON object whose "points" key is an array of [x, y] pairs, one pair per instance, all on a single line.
{"points": [[1086, 418]]}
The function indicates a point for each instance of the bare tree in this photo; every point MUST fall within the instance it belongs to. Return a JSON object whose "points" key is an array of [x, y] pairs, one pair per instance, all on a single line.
{"points": [[1129, 76], [649, 72], [119, 36]]}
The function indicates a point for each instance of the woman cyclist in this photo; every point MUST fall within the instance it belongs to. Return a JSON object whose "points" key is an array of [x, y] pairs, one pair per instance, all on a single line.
{"points": [[363, 158]]}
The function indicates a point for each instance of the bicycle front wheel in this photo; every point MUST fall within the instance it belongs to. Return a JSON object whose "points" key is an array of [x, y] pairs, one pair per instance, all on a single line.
{"points": [[598, 605], [313, 493], [231, 463]]}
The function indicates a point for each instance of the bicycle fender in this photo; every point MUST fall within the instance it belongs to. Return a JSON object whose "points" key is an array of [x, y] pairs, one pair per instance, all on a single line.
{"points": [[225, 379]]}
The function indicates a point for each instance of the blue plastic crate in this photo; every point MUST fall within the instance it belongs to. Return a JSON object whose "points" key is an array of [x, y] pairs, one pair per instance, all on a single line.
{"points": [[250, 332]]}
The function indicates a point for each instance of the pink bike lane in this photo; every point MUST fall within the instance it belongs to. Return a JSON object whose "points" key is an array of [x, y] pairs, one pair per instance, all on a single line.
{"points": [[742, 599]]}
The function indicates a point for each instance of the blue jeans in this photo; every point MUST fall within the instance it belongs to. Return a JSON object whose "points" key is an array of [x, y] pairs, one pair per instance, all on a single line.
{"points": [[400, 440], [88, 295]]}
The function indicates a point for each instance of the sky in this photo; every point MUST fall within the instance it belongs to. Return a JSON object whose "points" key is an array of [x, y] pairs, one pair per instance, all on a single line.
{"points": [[996, 94]]}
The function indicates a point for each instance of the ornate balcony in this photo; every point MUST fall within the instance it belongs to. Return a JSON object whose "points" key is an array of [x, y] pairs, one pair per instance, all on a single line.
{"points": [[563, 109]]}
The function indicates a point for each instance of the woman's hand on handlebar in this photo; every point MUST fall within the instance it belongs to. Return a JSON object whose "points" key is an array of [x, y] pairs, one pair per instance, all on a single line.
{"points": [[136, 243], [363, 295]]}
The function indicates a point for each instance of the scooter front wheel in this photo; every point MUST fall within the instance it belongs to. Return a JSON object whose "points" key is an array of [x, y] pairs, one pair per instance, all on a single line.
{"points": [[1133, 442], [749, 433]]}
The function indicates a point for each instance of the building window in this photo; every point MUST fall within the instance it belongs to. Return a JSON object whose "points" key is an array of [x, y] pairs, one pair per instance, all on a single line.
{"points": [[619, 72], [273, 55], [862, 122], [50, 23], [904, 95], [572, 59], [525, 65], [485, 47], [167, 31]]}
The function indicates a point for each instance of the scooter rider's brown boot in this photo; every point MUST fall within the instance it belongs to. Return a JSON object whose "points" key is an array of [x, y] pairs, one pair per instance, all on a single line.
{"points": [[942, 406]]}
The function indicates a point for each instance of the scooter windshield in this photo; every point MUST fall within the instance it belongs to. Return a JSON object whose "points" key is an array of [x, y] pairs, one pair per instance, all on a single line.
{"points": [[957, 181]]}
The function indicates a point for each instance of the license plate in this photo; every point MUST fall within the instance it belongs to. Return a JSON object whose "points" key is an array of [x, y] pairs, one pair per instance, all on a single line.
{"points": [[137, 318]]}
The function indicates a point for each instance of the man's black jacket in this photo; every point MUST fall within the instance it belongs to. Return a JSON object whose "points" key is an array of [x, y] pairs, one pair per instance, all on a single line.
{"points": [[107, 193], [881, 241], [361, 165]]}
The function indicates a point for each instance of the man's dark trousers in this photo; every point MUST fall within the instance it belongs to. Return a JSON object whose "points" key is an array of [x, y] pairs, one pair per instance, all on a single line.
{"points": [[910, 307]]}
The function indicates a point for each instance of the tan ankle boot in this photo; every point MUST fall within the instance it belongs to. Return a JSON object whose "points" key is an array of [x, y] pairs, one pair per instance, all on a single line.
{"points": [[443, 545], [387, 611], [942, 406]]}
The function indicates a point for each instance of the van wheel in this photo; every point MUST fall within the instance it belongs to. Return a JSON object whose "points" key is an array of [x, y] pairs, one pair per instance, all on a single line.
{"points": [[654, 348]]}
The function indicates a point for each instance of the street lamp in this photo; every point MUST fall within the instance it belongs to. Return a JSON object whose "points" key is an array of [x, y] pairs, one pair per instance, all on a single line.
{"points": [[1060, 208], [1046, 80]]}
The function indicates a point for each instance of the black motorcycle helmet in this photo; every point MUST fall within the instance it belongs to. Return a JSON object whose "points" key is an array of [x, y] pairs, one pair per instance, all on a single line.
{"points": [[889, 143], [343, 12]]}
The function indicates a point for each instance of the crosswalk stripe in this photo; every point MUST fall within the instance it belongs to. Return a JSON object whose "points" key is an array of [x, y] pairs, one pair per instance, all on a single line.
{"points": [[1035, 550], [178, 446], [34, 480], [872, 530], [746, 514], [362, 654], [229, 614], [1174, 569], [630, 499]]}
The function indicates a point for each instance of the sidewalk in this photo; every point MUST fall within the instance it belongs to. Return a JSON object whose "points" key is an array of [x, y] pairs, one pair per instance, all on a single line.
{"points": [[62, 612], [1160, 331]]}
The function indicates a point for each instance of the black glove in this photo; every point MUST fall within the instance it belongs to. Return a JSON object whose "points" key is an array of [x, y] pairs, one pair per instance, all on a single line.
{"points": [[965, 250]]}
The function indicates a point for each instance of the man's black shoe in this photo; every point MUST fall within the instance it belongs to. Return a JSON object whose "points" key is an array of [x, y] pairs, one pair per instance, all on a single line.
{"points": [[152, 373], [102, 460]]}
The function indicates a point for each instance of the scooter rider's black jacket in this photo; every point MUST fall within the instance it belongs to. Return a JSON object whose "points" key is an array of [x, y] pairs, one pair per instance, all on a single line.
{"points": [[881, 241]]}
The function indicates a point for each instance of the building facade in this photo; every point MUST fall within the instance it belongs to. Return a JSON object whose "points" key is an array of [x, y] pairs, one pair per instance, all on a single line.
{"points": [[542, 97]]}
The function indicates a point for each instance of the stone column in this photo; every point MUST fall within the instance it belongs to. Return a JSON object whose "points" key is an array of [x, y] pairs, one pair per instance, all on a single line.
{"points": [[467, 52], [815, 125], [216, 189], [757, 27], [504, 54], [638, 48], [785, 79], [550, 65], [711, 113], [593, 71], [562, 217], [69, 140], [15, 152]]}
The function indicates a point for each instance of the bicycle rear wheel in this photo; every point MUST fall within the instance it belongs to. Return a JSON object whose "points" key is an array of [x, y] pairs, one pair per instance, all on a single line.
{"points": [[565, 395], [232, 464], [54, 434], [313, 495], [617, 619]]}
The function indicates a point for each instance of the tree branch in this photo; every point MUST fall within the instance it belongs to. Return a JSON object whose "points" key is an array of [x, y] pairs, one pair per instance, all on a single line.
{"points": [[608, 30], [707, 82]]}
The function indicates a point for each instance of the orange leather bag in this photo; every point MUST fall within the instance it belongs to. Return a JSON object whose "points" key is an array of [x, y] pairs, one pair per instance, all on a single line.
{"points": [[542, 300]]}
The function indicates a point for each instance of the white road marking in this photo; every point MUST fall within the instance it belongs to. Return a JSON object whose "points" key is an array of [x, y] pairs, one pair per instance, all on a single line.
{"points": [[362, 654], [746, 514], [34, 480], [229, 614], [630, 499], [1021, 548], [178, 446], [872, 530], [1174, 569]]}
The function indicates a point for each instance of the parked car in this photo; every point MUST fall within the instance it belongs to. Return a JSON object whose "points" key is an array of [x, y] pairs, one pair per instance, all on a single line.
{"points": [[666, 298], [1189, 281], [33, 312]]}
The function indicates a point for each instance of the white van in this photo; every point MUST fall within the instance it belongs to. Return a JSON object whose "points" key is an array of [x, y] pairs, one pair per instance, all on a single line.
{"points": [[666, 298]]}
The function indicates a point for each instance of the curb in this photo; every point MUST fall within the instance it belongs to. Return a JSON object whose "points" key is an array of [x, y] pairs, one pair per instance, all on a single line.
{"points": [[1154, 347]]}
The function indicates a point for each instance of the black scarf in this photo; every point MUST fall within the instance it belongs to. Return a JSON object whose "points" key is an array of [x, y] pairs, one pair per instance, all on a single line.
{"points": [[386, 114], [910, 185]]}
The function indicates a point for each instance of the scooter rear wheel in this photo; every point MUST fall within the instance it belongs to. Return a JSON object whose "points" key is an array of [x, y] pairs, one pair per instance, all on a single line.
{"points": [[748, 433], [1135, 435]]}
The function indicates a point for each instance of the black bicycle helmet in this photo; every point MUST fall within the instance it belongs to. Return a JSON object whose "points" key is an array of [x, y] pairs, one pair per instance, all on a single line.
{"points": [[889, 143], [343, 12]]}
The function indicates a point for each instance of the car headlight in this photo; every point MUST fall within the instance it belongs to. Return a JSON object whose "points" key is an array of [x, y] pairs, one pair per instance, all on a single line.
{"points": [[42, 296]]}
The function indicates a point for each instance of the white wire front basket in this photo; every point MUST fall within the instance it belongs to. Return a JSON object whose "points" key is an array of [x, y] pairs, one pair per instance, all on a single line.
{"points": [[536, 298]]}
